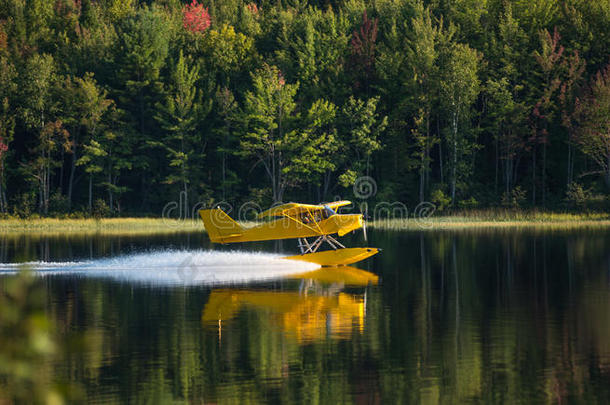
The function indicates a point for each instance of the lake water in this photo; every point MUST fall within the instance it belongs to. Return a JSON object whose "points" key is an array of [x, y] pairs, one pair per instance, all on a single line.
{"points": [[451, 317]]}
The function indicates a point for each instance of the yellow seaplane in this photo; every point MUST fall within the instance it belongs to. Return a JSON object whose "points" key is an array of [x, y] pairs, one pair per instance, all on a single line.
{"points": [[296, 221]]}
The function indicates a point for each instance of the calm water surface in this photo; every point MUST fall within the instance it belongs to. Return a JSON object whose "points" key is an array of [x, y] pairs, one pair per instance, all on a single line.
{"points": [[501, 317]]}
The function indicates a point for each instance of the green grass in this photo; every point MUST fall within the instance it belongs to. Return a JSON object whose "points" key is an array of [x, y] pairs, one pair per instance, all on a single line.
{"points": [[499, 219], [107, 226]]}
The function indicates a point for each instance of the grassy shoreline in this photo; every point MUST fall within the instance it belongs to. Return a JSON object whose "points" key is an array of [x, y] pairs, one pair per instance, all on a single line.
{"points": [[453, 224], [500, 219], [464, 220], [105, 226]]}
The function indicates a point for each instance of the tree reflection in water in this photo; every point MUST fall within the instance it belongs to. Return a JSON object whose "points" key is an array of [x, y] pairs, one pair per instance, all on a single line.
{"points": [[506, 316]]}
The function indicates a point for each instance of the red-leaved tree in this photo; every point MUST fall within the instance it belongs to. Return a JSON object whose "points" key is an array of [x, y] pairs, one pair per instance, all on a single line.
{"points": [[252, 8], [549, 59], [3, 150], [363, 52], [195, 17], [594, 118], [575, 68]]}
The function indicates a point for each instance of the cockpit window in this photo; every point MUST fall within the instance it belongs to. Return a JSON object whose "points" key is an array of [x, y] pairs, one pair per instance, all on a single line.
{"points": [[327, 212]]}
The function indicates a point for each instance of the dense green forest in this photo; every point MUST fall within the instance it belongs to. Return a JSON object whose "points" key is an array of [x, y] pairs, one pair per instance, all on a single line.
{"points": [[121, 106]]}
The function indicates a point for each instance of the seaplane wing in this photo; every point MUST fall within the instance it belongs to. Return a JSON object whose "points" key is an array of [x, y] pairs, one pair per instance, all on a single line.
{"points": [[337, 204], [294, 209]]}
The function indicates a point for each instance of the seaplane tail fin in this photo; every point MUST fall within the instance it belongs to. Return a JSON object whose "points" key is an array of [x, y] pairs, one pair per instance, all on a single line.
{"points": [[220, 227]]}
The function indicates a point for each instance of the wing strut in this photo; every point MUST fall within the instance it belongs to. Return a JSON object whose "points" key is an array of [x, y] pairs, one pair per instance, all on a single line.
{"points": [[313, 247]]}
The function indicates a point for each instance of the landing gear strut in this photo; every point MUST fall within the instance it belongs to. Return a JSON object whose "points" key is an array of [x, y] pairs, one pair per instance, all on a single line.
{"points": [[313, 247]]}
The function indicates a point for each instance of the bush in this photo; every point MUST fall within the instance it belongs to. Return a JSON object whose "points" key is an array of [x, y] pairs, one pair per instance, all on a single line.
{"points": [[514, 198], [58, 203], [100, 209], [348, 178], [77, 215], [440, 199], [577, 196], [260, 196], [469, 203], [23, 205]]}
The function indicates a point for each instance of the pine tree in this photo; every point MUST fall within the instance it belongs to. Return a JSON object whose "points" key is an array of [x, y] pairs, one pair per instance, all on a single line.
{"points": [[268, 118], [179, 116]]}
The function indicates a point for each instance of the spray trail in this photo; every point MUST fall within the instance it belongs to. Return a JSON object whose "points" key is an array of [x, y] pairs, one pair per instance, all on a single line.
{"points": [[174, 267]]}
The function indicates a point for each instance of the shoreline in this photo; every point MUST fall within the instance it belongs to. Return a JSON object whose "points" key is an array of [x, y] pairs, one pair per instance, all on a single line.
{"points": [[140, 226], [104, 226], [451, 224], [499, 219]]}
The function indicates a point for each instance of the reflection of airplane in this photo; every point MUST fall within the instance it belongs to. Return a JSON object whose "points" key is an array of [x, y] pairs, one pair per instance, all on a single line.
{"points": [[295, 221], [306, 316]]}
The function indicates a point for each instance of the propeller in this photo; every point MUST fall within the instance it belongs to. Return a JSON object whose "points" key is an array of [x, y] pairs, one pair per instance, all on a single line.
{"points": [[364, 218], [366, 239]]}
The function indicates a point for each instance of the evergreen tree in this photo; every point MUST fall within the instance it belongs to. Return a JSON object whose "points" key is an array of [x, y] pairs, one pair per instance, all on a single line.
{"points": [[143, 47], [268, 117], [179, 116], [226, 107], [360, 127]]}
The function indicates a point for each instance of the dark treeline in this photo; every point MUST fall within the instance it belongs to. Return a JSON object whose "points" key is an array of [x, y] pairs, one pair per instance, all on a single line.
{"points": [[121, 106]]}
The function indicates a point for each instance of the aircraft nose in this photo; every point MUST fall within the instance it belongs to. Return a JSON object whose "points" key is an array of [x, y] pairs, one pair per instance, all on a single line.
{"points": [[357, 221], [349, 222]]}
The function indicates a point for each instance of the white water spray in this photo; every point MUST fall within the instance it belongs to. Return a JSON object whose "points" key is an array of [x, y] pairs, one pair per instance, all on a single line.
{"points": [[174, 267]]}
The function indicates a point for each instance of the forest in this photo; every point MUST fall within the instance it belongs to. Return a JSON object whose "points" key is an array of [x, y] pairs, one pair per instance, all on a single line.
{"points": [[121, 106]]}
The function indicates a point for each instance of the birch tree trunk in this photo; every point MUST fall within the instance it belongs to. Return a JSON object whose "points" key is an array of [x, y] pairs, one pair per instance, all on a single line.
{"points": [[71, 179], [608, 171], [454, 168], [90, 192]]}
